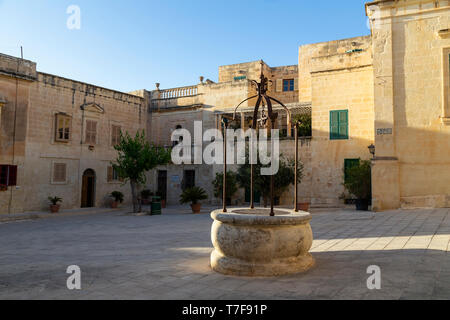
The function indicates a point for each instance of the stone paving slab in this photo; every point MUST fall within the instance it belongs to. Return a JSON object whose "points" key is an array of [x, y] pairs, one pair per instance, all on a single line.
{"points": [[167, 257]]}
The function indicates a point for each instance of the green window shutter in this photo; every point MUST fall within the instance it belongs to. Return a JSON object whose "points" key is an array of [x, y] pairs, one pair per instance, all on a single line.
{"points": [[343, 124], [339, 125], [334, 125]]}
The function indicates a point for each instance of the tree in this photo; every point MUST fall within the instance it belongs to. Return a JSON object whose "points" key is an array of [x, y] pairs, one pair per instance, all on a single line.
{"points": [[283, 179], [135, 157], [305, 126], [231, 185]]}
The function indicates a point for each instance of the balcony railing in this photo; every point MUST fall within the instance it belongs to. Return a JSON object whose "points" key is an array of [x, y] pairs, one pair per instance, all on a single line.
{"points": [[178, 92]]}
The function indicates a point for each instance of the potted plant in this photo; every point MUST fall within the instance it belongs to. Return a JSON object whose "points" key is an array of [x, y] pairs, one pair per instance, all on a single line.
{"points": [[146, 196], [303, 206], [118, 198], [193, 196], [232, 186], [54, 204], [359, 184]]}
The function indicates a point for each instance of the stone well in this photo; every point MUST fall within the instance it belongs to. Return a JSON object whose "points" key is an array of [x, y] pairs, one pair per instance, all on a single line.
{"points": [[249, 242]]}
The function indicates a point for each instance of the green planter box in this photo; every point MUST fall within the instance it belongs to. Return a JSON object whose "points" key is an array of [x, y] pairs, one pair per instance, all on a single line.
{"points": [[156, 206]]}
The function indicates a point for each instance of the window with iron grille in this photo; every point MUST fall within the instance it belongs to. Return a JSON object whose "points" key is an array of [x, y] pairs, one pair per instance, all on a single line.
{"points": [[63, 124], [91, 132], [8, 175], [59, 172]]}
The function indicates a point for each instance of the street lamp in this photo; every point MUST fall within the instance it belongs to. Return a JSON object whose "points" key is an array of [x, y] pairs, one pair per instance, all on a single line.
{"points": [[372, 150]]}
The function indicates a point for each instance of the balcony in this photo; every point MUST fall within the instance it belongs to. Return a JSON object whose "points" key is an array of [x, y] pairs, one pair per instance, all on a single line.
{"points": [[175, 93]]}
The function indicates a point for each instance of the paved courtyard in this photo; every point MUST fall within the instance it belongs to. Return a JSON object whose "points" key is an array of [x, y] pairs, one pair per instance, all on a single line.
{"points": [[167, 257]]}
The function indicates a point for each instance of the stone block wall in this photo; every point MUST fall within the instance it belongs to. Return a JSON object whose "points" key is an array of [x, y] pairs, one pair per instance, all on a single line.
{"points": [[411, 60], [337, 76]]}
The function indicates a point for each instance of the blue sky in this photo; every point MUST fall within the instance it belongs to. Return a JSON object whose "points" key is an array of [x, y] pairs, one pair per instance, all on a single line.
{"points": [[130, 45]]}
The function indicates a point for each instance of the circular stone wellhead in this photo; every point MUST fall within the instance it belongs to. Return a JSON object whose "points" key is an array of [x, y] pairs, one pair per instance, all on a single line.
{"points": [[249, 242]]}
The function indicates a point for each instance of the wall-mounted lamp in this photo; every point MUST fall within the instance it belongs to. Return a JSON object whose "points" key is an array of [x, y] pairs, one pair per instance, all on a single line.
{"points": [[372, 150]]}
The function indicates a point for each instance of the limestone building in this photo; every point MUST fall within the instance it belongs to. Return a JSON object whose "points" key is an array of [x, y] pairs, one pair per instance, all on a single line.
{"points": [[389, 88], [57, 137]]}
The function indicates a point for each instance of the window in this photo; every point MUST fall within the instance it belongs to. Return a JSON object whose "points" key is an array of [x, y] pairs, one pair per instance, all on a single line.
{"points": [[349, 163], [91, 132], [63, 123], [59, 172], [288, 85], [115, 135], [240, 78], [8, 175], [339, 125], [113, 175]]}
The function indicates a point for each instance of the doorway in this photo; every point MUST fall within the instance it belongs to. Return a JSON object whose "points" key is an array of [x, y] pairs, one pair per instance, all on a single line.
{"points": [[162, 184], [88, 189], [188, 179]]}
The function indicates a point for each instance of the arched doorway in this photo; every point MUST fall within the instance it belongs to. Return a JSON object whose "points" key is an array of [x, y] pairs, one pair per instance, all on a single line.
{"points": [[88, 189]]}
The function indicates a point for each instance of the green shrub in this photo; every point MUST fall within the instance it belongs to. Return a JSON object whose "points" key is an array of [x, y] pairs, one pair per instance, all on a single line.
{"points": [[231, 185], [118, 196], [359, 180], [54, 200], [305, 126], [193, 195]]}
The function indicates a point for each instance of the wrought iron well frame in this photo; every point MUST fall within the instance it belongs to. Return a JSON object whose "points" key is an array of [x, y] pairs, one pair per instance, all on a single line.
{"points": [[262, 99]]}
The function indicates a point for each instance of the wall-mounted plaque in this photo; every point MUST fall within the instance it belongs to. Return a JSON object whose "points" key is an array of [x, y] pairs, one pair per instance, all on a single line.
{"points": [[384, 131]]}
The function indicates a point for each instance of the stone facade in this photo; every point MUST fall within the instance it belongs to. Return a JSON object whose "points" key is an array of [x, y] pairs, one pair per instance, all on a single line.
{"points": [[208, 102], [411, 64], [337, 75], [390, 89], [29, 137]]}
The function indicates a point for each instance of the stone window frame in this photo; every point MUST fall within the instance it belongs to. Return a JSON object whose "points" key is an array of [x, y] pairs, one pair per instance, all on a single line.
{"points": [[445, 117], [64, 116], [115, 137], [288, 85], [86, 132], [112, 176], [54, 179], [340, 137]]}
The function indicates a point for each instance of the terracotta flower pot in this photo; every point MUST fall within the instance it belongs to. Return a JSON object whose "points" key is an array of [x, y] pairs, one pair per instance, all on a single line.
{"points": [[54, 208], [196, 207], [163, 204], [303, 206], [114, 204]]}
